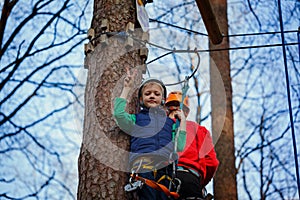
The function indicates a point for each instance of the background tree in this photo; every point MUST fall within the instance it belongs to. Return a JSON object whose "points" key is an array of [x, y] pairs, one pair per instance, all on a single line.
{"points": [[103, 156], [221, 104], [37, 133]]}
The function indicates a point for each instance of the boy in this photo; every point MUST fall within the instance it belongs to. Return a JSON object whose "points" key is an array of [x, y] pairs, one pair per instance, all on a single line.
{"points": [[152, 134], [197, 163]]}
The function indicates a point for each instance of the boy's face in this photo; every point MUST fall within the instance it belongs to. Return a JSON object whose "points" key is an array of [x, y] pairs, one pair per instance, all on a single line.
{"points": [[152, 95], [175, 105]]}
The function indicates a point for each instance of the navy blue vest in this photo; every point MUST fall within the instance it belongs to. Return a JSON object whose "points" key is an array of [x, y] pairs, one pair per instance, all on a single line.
{"points": [[152, 135]]}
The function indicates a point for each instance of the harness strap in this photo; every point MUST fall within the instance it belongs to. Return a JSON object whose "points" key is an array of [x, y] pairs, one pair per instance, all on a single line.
{"points": [[189, 170], [164, 177], [156, 186]]}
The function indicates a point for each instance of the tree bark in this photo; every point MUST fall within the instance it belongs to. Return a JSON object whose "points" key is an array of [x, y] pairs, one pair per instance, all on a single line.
{"points": [[104, 151], [225, 186]]}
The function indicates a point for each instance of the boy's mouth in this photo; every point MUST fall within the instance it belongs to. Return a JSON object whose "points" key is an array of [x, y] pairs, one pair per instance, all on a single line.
{"points": [[152, 102]]}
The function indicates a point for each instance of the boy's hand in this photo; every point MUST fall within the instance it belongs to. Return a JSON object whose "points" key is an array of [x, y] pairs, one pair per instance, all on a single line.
{"points": [[128, 82], [180, 115], [129, 79]]}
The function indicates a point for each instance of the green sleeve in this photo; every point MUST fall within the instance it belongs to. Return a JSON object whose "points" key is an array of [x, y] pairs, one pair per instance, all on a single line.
{"points": [[123, 119], [181, 140]]}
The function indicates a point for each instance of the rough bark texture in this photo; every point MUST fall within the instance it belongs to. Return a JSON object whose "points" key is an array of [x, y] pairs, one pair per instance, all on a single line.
{"points": [[104, 150], [225, 186]]}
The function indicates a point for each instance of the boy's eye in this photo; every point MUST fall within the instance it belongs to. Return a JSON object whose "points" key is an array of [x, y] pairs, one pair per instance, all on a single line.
{"points": [[157, 93]]}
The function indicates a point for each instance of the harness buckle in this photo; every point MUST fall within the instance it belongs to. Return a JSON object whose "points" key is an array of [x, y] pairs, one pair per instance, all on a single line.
{"points": [[133, 186]]}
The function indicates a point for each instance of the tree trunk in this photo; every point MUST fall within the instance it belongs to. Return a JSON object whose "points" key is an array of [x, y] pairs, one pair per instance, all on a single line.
{"points": [[104, 152], [225, 186]]}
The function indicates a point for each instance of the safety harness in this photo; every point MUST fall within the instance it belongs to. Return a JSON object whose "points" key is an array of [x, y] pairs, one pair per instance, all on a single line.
{"points": [[155, 185], [136, 181]]}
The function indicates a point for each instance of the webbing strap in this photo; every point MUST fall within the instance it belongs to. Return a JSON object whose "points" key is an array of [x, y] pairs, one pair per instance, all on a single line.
{"points": [[164, 177], [184, 91], [157, 186]]}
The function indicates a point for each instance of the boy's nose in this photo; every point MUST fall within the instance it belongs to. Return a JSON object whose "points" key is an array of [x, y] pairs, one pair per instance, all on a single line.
{"points": [[152, 95]]}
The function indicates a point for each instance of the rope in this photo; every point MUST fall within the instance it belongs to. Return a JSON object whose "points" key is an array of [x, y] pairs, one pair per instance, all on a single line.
{"points": [[298, 35], [156, 186], [188, 77], [184, 91], [289, 98]]}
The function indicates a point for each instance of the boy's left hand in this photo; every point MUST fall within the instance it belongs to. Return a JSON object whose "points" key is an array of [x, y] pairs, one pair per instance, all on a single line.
{"points": [[129, 79], [178, 114]]}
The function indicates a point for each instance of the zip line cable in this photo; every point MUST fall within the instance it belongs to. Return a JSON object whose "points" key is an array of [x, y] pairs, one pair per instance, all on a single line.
{"points": [[179, 51], [208, 50], [289, 97], [170, 51], [124, 35], [226, 49], [188, 77], [178, 27], [159, 57], [298, 34], [233, 35]]}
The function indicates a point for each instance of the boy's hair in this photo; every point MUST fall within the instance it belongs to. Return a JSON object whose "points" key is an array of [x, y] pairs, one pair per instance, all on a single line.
{"points": [[150, 84]]}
